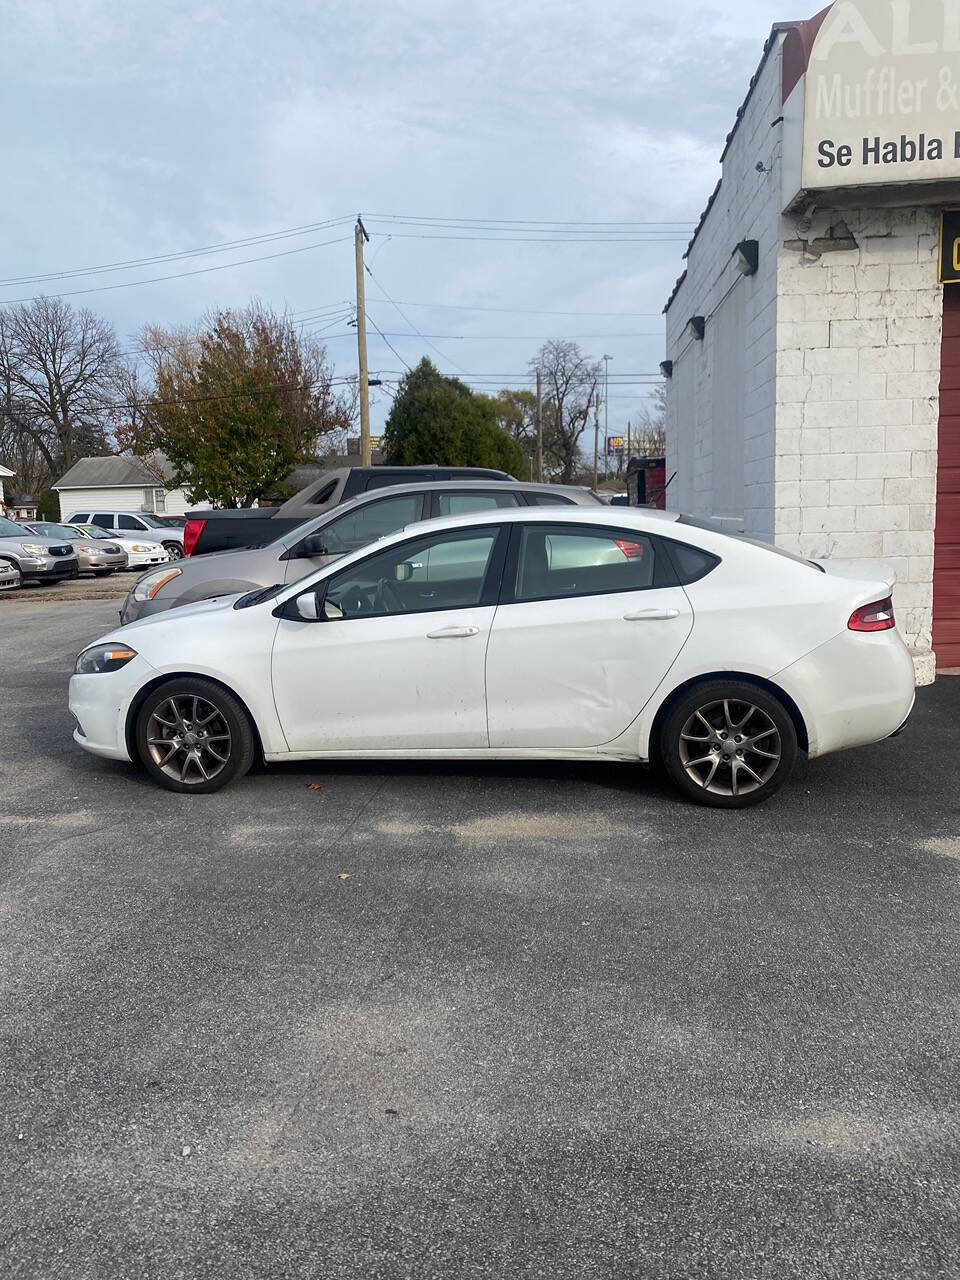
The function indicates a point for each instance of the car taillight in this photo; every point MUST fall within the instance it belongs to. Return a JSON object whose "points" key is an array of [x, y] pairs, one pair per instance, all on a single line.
{"points": [[191, 535], [877, 616], [632, 550]]}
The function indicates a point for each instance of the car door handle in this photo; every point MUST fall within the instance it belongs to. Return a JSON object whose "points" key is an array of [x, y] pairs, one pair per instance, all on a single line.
{"points": [[651, 615], [453, 633]]}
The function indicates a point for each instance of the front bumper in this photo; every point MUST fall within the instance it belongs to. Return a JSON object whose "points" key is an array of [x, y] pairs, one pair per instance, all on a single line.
{"points": [[145, 560], [101, 703], [49, 568], [97, 562]]}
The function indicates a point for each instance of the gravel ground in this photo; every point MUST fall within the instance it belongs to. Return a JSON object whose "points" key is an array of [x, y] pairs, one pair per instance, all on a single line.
{"points": [[384, 1020], [114, 587]]}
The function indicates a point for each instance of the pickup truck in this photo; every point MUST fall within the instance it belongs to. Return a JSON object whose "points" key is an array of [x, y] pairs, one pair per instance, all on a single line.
{"points": [[225, 530]]}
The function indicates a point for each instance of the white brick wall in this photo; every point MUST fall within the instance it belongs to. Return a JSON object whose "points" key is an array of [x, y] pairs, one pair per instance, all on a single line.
{"points": [[867, 399]]}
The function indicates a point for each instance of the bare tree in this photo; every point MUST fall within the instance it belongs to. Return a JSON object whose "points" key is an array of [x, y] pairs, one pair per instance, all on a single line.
{"points": [[570, 382], [58, 369], [650, 437]]}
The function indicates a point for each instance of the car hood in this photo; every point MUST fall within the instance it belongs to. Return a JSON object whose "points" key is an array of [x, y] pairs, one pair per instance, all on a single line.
{"points": [[218, 604], [14, 539]]}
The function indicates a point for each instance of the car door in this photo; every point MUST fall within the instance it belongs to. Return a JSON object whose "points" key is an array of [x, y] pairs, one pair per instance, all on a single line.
{"points": [[352, 531], [395, 659], [589, 624], [132, 524]]}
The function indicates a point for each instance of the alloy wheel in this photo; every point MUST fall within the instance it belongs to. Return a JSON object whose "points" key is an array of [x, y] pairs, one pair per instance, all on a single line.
{"points": [[189, 739], [173, 550], [730, 747]]}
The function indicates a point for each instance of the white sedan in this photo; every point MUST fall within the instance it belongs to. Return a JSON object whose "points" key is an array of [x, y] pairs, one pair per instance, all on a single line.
{"points": [[140, 553], [564, 634]]}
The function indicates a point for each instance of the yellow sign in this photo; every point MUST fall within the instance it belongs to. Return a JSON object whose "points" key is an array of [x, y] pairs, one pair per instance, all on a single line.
{"points": [[950, 247]]}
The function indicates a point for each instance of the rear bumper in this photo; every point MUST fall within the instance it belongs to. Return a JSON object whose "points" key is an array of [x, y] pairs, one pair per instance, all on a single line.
{"points": [[855, 689]]}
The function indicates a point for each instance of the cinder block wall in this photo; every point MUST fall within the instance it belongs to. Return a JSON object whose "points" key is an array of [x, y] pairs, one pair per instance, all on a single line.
{"points": [[858, 373]]}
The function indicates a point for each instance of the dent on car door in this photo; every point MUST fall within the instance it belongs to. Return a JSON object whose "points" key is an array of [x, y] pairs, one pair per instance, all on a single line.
{"points": [[591, 620]]}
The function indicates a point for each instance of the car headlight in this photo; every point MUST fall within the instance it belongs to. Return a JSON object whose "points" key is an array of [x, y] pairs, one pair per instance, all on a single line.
{"points": [[138, 546], [150, 583], [102, 658], [33, 549]]}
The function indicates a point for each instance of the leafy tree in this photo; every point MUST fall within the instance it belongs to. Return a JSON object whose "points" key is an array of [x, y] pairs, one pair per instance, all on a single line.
{"points": [[515, 412], [234, 406], [438, 419], [570, 384]]}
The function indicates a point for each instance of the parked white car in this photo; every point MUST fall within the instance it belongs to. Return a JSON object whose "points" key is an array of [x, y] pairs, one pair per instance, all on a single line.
{"points": [[140, 526], [554, 634], [141, 554]]}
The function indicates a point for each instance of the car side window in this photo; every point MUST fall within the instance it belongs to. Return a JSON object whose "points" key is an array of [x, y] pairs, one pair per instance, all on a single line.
{"points": [[440, 572], [550, 500], [466, 503], [103, 519], [130, 522], [358, 528], [556, 561], [692, 562]]}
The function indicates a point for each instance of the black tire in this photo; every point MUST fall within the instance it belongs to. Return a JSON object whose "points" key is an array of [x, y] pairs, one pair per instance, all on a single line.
{"points": [[102, 573], [192, 696], [709, 762], [174, 550]]}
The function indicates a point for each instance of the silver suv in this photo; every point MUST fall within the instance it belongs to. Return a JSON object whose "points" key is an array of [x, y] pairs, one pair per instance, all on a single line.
{"points": [[133, 524], [35, 558], [348, 527]]}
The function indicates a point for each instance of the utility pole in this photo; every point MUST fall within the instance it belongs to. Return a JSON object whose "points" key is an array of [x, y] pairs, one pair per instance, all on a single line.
{"points": [[606, 415], [359, 236], [596, 440], [539, 427]]}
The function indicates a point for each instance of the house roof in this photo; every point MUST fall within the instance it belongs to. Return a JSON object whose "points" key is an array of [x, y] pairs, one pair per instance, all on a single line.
{"points": [[5, 471], [111, 472]]}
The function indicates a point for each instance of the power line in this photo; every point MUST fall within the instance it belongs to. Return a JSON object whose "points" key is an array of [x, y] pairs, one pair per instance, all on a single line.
{"points": [[409, 322], [180, 275], [530, 222], [222, 247], [512, 337], [536, 239], [533, 311], [389, 344]]}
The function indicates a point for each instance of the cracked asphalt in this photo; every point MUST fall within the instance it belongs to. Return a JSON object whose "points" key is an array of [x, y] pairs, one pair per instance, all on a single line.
{"points": [[471, 1020]]}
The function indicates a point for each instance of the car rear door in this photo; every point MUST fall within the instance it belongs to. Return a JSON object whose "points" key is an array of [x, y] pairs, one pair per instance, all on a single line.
{"points": [[589, 623]]}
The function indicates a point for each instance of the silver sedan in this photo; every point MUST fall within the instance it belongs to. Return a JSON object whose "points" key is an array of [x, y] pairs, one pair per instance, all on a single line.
{"points": [[97, 557]]}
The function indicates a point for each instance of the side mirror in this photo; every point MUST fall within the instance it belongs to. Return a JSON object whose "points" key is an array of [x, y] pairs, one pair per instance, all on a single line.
{"points": [[403, 572], [308, 607]]}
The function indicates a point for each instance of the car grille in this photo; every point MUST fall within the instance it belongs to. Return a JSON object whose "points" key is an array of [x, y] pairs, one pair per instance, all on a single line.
{"points": [[111, 549], [61, 551]]}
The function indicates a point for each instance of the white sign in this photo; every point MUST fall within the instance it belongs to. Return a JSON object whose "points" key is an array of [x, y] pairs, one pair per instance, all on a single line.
{"points": [[882, 94]]}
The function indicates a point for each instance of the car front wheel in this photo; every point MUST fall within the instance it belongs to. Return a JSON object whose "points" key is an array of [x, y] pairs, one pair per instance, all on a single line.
{"points": [[194, 736], [728, 744]]}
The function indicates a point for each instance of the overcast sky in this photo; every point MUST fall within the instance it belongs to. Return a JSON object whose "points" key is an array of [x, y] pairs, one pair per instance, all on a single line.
{"points": [[139, 129]]}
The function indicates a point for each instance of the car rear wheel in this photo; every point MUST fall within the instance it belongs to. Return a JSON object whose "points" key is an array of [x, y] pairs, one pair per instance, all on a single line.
{"points": [[194, 736], [174, 550], [728, 744]]}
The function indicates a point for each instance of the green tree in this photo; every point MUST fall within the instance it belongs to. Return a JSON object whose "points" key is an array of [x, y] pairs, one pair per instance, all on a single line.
{"points": [[439, 419], [233, 407]]}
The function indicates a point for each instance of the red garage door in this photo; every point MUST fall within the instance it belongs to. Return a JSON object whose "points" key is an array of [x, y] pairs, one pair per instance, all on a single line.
{"points": [[946, 556]]}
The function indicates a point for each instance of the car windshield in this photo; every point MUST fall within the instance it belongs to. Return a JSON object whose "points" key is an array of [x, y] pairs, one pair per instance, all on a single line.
{"points": [[54, 530], [94, 531], [151, 521], [713, 526]]}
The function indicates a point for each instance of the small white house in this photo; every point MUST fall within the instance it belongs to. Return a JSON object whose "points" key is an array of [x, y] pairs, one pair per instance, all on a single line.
{"points": [[120, 484], [5, 474]]}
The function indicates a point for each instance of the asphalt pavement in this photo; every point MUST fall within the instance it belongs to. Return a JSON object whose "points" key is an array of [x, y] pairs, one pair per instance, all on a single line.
{"points": [[391, 1020]]}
